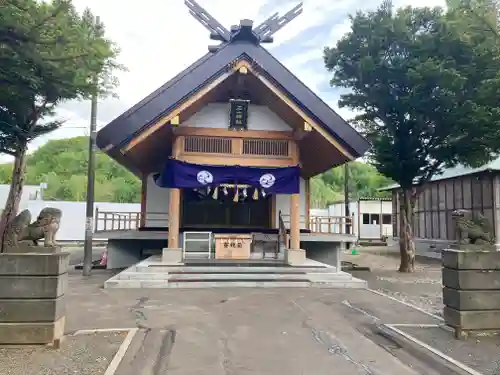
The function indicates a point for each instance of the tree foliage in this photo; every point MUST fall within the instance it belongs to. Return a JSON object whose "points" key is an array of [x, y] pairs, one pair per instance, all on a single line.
{"points": [[62, 164], [363, 182], [427, 84], [48, 54]]}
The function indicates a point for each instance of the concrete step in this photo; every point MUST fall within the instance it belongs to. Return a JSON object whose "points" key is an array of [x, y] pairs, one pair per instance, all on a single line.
{"points": [[167, 269], [135, 284], [213, 280], [240, 284], [236, 277], [329, 276], [230, 276], [348, 284], [208, 276]]}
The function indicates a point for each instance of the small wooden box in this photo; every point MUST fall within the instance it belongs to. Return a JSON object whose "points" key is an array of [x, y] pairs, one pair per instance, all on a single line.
{"points": [[232, 246]]}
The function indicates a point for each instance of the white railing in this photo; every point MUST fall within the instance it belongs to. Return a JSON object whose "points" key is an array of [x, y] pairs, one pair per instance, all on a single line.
{"points": [[112, 220]]}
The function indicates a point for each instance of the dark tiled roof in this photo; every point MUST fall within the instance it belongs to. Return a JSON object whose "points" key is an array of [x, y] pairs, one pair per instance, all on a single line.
{"points": [[149, 110]]}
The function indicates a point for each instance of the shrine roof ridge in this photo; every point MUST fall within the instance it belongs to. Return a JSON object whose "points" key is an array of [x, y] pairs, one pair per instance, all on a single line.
{"points": [[150, 109]]}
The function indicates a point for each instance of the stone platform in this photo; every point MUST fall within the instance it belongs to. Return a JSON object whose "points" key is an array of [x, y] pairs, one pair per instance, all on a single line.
{"points": [[32, 304], [153, 273], [471, 293]]}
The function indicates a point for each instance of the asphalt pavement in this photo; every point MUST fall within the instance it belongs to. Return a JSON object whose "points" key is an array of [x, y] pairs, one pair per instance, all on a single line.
{"points": [[76, 254], [238, 331]]}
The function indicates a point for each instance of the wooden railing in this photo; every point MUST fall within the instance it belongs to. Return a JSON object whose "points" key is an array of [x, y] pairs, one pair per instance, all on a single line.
{"points": [[113, 221], [282, 235], [323, 224], [329, 224]]}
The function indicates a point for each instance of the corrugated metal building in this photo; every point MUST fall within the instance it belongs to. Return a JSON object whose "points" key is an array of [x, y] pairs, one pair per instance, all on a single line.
{"points": [[475, 189]]}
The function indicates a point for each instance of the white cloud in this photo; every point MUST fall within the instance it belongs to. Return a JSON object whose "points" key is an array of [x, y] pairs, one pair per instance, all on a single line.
{"points": [[159, 38]]}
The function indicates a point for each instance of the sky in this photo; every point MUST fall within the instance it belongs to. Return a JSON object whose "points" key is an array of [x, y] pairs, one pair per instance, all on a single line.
{"points": [[159, 38]]}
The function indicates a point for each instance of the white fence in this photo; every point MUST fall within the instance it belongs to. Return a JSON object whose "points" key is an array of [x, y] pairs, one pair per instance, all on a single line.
{"points": [[73, 215]]}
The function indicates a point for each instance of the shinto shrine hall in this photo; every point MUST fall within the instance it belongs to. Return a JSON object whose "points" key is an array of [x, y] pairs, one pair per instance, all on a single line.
{"points": [[225, 151]]}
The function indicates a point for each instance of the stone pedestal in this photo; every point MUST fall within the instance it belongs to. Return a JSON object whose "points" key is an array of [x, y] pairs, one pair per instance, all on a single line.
{"points": [[471, 291], [32, 306], [296, 257], [171, 256], [28, 247]]}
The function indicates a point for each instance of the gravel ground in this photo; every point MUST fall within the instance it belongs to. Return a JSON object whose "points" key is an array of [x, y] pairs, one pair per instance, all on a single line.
{"points": [[480, 353], [421, 288], [82, 355]]}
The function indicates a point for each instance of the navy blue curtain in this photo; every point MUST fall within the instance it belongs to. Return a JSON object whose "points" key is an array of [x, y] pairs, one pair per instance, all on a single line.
{"points": [[179, 174]]}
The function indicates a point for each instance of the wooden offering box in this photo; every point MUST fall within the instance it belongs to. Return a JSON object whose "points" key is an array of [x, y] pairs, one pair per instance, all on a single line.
{"points": [[232, 246]]}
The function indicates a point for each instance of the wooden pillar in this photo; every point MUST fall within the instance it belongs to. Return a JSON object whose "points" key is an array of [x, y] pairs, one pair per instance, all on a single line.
{"points": [[295, 207], [173, 218], [273, 212], [308, 203], [174, 208], [380, 218], [295, 221], [144, 188]]}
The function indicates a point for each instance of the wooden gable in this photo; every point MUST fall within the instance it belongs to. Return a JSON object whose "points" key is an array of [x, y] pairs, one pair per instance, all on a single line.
{"points": [[141, 138]]}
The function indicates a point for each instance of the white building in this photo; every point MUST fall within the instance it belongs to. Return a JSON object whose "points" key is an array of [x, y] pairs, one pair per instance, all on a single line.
{"points": [[372, 217]]}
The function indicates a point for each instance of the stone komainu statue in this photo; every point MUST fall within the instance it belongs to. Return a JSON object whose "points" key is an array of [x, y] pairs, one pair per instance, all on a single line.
{"points": [[15, 229], [45, 227], [472, 228]]}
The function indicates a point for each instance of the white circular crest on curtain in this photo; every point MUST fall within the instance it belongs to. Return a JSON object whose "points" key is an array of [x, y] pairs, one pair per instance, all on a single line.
{"points": [[205, 177], [267, 180]]}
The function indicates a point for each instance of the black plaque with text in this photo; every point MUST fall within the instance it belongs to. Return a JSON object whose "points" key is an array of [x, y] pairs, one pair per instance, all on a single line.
{"points": [[238, 114]]}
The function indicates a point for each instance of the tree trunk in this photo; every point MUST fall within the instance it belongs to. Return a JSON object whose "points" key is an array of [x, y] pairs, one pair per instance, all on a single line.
{"points": [[15, 193], [406, 240]]}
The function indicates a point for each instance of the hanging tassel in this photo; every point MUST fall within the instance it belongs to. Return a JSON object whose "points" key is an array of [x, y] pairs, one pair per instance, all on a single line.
{"points": [[255, 194], [224, 190], [216, 193], [245, 194], [236, 194], [208, 190], [263, 193]]}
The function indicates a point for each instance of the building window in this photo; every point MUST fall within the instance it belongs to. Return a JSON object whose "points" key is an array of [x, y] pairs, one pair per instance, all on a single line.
{"points": [[265, 147], [366, 218], [371, 219], [387, 219]]}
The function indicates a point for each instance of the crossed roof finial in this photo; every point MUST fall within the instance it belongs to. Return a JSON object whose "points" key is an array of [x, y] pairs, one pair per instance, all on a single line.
{"points": [[260, 34]]}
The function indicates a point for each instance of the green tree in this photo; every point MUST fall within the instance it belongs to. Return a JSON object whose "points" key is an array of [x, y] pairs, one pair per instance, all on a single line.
{"points": [[426, 82], [62, 165], [364, 181], [49, 54], [322, 194]]}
